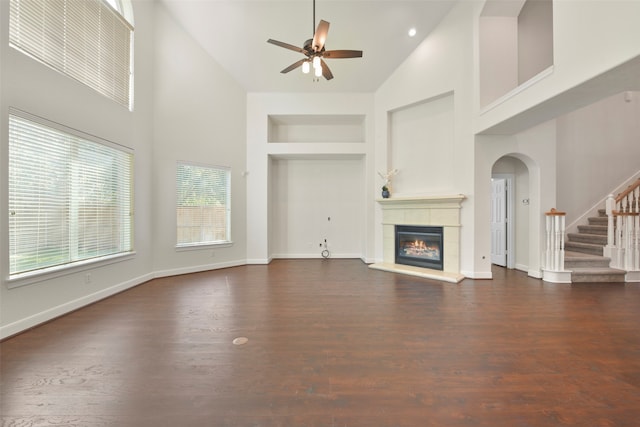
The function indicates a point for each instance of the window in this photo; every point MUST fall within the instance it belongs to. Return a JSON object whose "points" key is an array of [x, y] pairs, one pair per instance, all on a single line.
{"points": [[203, 204], [70, 197], [87, 40]]}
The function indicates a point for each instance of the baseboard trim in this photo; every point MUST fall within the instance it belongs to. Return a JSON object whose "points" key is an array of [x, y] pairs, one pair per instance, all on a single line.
{"points": [[66, 308], [481, 275], [537, 274], [198, 268], [632, 276], [315, 256], [259, 261]]}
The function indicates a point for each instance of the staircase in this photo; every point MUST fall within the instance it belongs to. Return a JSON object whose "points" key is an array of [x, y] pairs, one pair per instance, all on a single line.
{"points": [[583, 253]]}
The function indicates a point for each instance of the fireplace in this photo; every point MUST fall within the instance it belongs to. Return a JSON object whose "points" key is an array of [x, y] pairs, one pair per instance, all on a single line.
{"points": [[431, 212], [419, 246]]}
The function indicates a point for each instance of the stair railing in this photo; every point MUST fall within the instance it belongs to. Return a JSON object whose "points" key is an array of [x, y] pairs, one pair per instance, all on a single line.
{"points": [[553, 270], [623, 234]]}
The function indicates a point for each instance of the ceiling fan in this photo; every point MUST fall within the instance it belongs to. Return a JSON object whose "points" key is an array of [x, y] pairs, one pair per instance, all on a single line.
{"points": [[314, 51]]}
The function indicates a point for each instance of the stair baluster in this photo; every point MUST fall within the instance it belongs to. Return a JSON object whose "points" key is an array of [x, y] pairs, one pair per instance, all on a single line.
{"points": [[623, 239]]}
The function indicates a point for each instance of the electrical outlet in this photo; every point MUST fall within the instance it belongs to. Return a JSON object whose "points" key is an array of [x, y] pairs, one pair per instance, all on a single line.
{"points": [[87, 278], [213, 254]]}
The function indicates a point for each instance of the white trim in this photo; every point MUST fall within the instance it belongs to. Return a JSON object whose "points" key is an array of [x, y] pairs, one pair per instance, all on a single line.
{"points": [[520, 88], [316, 255], [556, 276], [482, 275], [535, 274], [632, 276], [198, 268], [196, 246], [259, 261], [41, 275], [62, 309]]}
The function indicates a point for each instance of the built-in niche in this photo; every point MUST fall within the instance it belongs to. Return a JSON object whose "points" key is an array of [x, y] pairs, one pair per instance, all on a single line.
{"points": [[515, 45], [313, 199], [301, 128]]}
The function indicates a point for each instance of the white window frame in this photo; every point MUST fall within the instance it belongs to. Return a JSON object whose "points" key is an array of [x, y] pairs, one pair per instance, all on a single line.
{"points": [[201, 223], [23, 129]]}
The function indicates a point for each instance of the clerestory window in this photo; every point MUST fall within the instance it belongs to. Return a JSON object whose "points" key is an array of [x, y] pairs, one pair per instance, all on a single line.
{"points": [[88, 40]]}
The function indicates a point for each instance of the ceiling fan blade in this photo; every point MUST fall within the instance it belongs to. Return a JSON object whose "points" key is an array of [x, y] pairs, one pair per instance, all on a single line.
{"points": [[326, 72], [293, 66], [342, 54], [320, 36], [286, 45]]}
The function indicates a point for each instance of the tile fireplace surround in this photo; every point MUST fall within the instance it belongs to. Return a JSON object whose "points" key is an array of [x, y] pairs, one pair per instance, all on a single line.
{"points": [[438, 211]]}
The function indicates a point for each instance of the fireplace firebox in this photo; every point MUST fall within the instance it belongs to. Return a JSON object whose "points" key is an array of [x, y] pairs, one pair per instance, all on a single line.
{"points": [[419, 246]]}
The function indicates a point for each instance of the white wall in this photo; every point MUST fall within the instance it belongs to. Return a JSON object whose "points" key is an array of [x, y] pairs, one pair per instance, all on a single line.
{"points": [[535, 148], [590, 38], [317, 199], [535, 38], [199, 116], [442, 65], [33, 87], [498, 55], [598, 150], [264, 169], [421, 142]]}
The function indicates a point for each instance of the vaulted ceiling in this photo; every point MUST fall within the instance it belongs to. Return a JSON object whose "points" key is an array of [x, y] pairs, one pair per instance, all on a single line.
{"points": [[235, 34]]}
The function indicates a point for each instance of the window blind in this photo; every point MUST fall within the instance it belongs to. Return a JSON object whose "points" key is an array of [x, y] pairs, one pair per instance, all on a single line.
{"points": [[86, 40], [203, 204], [70, 197]]}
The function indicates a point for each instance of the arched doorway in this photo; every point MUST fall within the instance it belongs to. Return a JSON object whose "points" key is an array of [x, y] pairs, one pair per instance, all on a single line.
{"points": [[510, 201]]}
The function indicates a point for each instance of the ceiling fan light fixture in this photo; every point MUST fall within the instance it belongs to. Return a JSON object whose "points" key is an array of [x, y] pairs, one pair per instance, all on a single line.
{"points": [[314, 51]]}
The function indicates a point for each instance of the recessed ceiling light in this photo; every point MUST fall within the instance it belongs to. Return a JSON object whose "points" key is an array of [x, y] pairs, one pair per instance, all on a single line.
{"points": [[412, 32]]}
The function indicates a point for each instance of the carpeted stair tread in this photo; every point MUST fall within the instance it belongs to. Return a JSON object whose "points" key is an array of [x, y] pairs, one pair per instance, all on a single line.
{"points": [[587, 248], [600, 230], [581, 260], [589, 274], [598, 220], [596, 239]]}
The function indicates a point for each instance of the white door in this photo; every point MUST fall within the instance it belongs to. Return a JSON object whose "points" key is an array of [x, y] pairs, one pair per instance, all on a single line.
{"points": [[498, 222]]}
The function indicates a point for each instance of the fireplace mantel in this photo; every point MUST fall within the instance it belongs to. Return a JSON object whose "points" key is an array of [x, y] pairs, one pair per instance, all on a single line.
{"points": [[443, 211], [416, 202]]}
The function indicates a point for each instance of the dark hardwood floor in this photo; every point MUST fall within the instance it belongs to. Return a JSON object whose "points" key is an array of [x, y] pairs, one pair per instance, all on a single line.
{"points": [[333, 343]]}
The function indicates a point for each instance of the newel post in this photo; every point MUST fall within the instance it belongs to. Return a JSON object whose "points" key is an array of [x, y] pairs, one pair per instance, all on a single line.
{"points": [[553, 270]]}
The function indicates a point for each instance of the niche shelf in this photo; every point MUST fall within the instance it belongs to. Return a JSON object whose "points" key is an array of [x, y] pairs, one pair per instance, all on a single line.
{"points": [[315, 128]]}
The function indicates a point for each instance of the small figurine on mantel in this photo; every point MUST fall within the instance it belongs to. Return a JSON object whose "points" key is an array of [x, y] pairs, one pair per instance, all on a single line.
{"points": [[387, 182]]}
